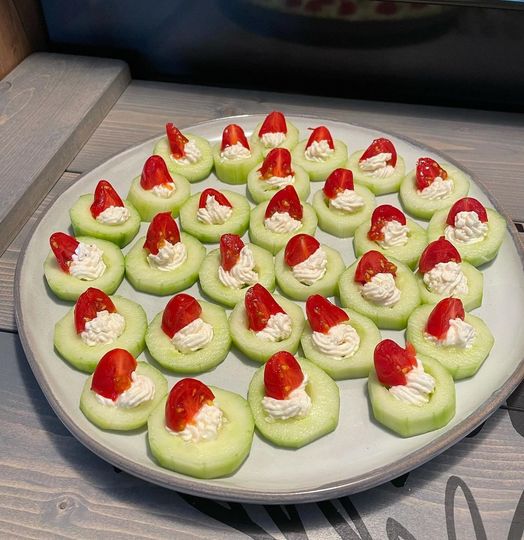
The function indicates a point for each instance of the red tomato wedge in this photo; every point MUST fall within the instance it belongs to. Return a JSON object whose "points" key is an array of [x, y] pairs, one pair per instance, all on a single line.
{"points": [[299, 248], [186, 398], [260, 305], [322, 314], [232, 135], [337, 182], [320, 133], [162, 229], [105, 197], [275, 122], [177, 141], [426, 172], [219, 197], [112, 375], [277, 163], [438, 251], [155, 173], [285, 200], [64, 247], [443, 312], [282, 374], [382, 215], [372, 263], [87, 306], [381, 146], [180, 311], [467, 204], [230, 247], [392, 362]]}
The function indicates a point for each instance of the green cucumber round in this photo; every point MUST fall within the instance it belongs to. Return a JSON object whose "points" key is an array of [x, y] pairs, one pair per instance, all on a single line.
{"points": [[260, 191], [289, 142], [235, 171], [319, 170], [379, 186]]}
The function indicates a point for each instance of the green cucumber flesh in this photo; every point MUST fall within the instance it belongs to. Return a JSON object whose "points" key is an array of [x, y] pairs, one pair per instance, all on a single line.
{"points": [[261, 191], [290, 141], [319, 170], [235, 171], [379, 186]]}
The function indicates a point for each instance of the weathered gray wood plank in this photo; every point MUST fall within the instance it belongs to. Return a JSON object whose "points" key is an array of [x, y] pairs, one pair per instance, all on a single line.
{"points": [[49, 106]]}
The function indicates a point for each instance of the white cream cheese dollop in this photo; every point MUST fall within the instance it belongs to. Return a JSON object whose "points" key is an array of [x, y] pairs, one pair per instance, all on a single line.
{"points": [[395, 235], [104, 328], [242, 272], [142, 389], [193, 336], [205, 425], [214, 213], [234, 152], [192, 154], [164, 191], [318, 151], [278, 182], [468, 229], [377, 165], [297, 404], [419, 385], [113, 215], [312, 269], [169, 257], [438, 189], [460, 334], [282, 222], [381, 290], [347, 200], [446, 278], [278, 328], [341, 341], [273, 139], [87, 263]]}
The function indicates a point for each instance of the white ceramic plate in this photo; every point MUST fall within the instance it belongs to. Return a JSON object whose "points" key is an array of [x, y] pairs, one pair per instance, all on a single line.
{"points": [[359, 454]]}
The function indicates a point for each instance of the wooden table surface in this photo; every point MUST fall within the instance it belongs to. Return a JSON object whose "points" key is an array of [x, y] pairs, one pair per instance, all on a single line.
{"points": [[51, 486]]}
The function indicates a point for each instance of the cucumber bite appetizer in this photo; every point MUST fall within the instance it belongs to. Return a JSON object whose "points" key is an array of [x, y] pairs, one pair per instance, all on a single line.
{"points": [[226, 272], [201, 431], [189, 336], [187, 155], [341, 206], [391, 233], [276, 173], [304, 267], [442, 273], [167, 261], [210, 214], [383, 290], [293, 402], [122, 392], [75, 264], [274, 222], [410, 393], [378, 168], [339, 341], [477, 232], [104, 215], [156, 190], [459, 341], [320, 154], [233, 157], [274, 132], [430, 187], [97, 324], [261, 326]]}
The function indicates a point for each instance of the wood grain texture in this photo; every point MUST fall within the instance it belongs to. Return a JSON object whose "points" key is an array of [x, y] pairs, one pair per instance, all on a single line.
{"points": [[49, 106], [15, 42]]}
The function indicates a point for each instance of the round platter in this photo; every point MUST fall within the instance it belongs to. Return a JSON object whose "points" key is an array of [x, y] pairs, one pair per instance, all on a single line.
{"points": [[359, 454]]}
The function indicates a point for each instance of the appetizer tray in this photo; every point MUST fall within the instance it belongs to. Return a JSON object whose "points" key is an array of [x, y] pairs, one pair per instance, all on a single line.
{"points": [[360, 453]]}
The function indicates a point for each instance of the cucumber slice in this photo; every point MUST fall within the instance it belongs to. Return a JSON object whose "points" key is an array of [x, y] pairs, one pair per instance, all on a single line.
{"points": [[274, 242], [481, 252], [352, 367], [236, 171], [145, 278], [209, 233], [260, 350], [193, 172], [459, 362], [319, 171], [168, 356], [394, 317], [290, 141], [205, 459], [84, 224], [471, 300], [327, 286], [409, 253], [406, 419], [216, 290], [118, 418], [149, 205], [85, 357], [260, 191], [424, 208], [379, 186], [297, 432], [68, 287], [340, 223]]}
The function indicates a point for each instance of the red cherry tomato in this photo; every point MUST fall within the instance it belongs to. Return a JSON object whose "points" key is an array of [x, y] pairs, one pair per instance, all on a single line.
{"points": [[64, 247], [320, 133], [87, 306], [285, 200], [381, 146], [275, 122], [177, 141], [180, 311], [112, 375], [219, 197], [299, 248], [372, 263], [162, 229], [282, 374], [322, 314], [386, 8], [184, 401], [426, 172], [338, 181], [230, 247], [438, 251], [392, 362], [382, 215], [277, 163], [105, 197], [467, 204], [443, 312], [154, 173], [260, 305], [232, 135]]}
